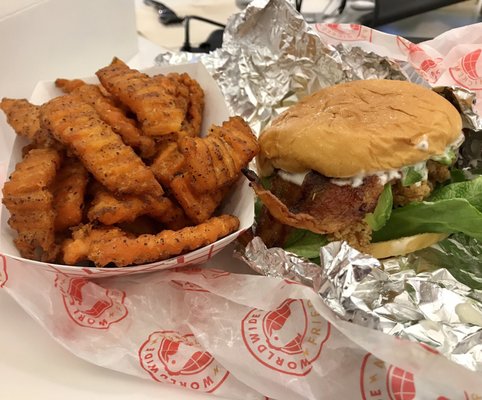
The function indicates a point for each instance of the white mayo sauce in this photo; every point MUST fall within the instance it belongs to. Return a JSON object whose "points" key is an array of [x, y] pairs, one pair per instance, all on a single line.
{"points": [[423, 144], [357, 180], [297, 179]]}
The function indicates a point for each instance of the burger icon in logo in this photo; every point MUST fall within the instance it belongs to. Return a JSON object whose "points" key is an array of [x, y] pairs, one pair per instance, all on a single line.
{"points": [[90, 305], [468, 71], [400, 384], [387, 382], [171, 357], [3, 270], [288, 339]]}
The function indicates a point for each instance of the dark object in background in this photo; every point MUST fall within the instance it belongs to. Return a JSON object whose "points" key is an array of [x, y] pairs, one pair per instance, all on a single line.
{"points": [[382, 12], [387, 11], [168, 17], [214, 40]]}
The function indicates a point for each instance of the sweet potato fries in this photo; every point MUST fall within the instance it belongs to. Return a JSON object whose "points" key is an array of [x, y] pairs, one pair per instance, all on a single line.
{"points": [[117, 173]]}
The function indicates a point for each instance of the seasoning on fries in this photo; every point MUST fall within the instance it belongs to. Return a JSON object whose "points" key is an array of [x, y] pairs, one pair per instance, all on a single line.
{"points": [[116, 173]]}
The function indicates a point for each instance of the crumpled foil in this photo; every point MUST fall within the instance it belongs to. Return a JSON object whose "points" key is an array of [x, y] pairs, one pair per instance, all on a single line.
{"points": [[392, 296], [470, 157], [269, 60]]}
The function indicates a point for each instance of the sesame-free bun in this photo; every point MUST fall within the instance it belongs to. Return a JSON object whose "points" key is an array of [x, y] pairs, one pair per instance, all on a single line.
{"points": [[405, 245], [360, 127]]}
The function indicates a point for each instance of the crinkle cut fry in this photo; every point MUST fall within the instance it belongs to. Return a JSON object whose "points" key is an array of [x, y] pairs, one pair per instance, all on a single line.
{"points": [[168, 163], [155, 102], [216, 160], [69, 85], [69, 191], [112, 245], [28, 199], [168, 167], [198, 207], [194, 95], [111, 114], [115, 165], [24, 118], [116, 119], [109, 209]]}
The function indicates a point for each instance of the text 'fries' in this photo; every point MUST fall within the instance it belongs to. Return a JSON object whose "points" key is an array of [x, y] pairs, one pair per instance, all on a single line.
{"points": [[117, 173]]}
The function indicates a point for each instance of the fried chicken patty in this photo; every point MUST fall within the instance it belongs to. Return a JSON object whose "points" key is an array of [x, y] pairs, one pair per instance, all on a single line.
{"points": [[403, 195], [330, 207], [337, 211]]}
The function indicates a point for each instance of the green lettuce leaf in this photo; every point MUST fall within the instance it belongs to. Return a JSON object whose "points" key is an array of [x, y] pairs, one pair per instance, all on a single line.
{"points": [[456, 207], [414, 173], [382, 211], [444, 216], [447, 158], [469, 190], [305, 243], [457, 175]]}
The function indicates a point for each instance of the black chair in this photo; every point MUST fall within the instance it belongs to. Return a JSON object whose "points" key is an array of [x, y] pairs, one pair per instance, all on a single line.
{"points": [[387, 11]]}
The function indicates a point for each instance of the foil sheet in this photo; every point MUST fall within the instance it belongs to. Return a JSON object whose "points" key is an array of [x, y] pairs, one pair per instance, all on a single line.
{"points": [[470, 158], [270, 59], [393, 296]]}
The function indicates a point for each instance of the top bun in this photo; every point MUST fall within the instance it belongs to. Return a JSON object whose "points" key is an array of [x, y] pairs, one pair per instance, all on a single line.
{"points": [[360, 127]]}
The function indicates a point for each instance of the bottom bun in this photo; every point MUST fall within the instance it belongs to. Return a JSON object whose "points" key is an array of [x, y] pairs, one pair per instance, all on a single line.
{"points": [[405, 245]]}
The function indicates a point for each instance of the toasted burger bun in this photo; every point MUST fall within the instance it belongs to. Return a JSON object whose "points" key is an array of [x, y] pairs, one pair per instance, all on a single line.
{"points": [[405, 245], [360, 127]]}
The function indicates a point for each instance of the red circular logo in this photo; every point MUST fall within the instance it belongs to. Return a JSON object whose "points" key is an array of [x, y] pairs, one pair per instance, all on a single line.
{"points": [[468, 71], [3, 271], [288, 339], [171, 357], [382, 382], [89, 304], [400, 384]]}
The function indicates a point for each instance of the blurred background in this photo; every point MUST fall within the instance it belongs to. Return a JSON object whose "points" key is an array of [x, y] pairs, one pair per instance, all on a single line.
{"points": [[164, 22], [45, 39]]}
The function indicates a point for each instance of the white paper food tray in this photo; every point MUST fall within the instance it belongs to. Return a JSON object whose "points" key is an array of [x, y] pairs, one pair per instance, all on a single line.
{"points": [[239, 203]]}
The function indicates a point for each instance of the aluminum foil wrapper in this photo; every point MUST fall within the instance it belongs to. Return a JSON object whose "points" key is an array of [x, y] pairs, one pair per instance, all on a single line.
{"points": [[471, 151], [430, 307], [270, 59]]}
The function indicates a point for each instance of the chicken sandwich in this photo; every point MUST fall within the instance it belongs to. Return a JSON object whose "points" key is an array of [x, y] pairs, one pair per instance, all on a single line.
{"points": [[368, 162]]}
